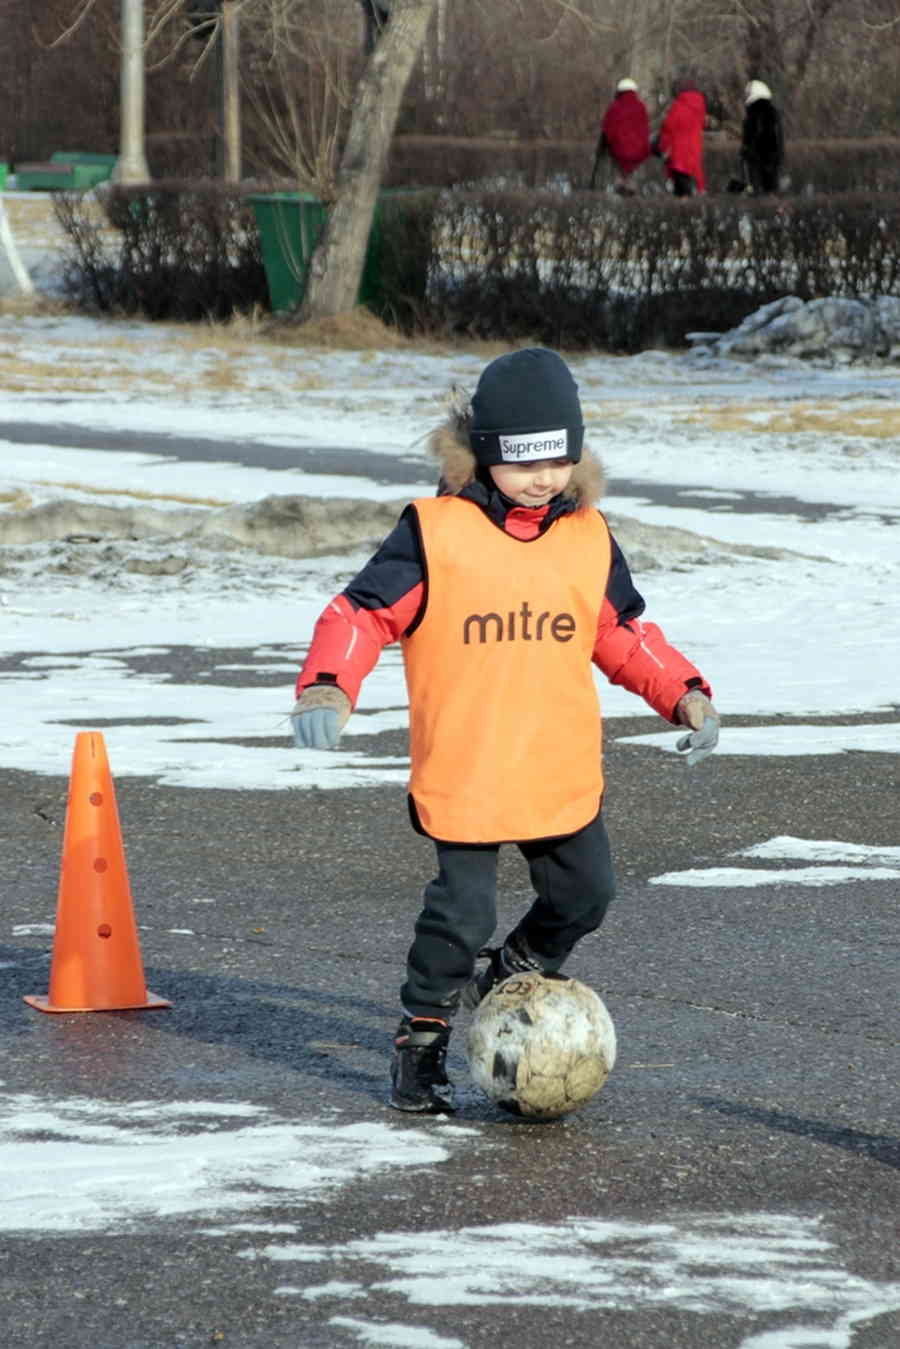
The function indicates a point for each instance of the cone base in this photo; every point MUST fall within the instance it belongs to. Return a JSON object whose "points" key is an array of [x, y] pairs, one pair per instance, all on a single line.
{"points": [[44, 1005]]}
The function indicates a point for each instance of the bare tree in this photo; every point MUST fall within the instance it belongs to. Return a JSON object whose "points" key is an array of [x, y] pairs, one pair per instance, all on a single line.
{"points": [[375, 13], [336, 266], [303, 65]]}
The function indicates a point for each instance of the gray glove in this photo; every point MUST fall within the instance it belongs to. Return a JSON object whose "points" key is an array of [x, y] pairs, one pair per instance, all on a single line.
{"points": [[319, 716], [695, 710]]}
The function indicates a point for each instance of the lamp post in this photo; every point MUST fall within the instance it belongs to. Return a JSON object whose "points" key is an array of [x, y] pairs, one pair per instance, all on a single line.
{"points": [[132, 163], [231, 91]]}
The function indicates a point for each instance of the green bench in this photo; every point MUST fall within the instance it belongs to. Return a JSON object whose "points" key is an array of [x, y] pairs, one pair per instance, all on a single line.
{"points": [[66, 171]]}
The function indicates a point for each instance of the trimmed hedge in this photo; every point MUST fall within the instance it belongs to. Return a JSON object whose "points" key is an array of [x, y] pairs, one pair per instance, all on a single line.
{"points": [[181, 250], [582, 271], [574, 270]]}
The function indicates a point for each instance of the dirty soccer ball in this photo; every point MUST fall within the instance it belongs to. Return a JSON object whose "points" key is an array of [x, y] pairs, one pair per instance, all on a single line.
{"points": [[541, 1045]]}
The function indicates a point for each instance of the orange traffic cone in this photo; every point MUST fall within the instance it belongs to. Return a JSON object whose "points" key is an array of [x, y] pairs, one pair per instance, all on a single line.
{"points": [[96, 957]]}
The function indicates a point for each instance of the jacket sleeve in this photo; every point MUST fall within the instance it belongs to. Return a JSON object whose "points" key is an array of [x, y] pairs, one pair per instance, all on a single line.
{"points": [[376, 608], [636, 654]]}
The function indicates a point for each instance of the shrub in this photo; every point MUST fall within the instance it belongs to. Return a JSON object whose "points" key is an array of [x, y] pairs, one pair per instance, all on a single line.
{"points": [[573, 270], [403, 258], [581, 270], [180, 251]]}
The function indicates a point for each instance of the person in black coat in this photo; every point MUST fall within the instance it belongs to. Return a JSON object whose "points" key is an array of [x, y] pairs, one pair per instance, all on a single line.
{"points": [[762, 139]]}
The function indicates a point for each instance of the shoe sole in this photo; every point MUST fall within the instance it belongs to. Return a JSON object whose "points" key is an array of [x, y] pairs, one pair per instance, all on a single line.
{"points": [[428, 1108]]}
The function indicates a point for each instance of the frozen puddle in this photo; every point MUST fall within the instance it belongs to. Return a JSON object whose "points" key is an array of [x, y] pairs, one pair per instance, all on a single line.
{"points": [[768, 1265]]}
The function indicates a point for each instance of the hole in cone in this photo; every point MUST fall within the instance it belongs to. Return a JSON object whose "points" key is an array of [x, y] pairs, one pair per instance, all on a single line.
{"points": [[100, 864], [96, 798], [104, 930]]}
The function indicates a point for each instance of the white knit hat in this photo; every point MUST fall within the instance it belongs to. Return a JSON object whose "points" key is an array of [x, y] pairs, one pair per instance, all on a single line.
{"points": [[625, 85], [756, 89]]}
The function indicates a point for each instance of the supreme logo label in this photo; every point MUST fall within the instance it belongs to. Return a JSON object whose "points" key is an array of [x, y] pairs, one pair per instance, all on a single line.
{"points": [[521, 449], [518, 625]]}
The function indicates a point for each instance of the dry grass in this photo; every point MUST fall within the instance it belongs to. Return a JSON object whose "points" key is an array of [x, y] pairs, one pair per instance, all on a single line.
{"points": [[235, 335], [18, 499], [358, 330], [89, 489], [17, 376], [224, 371], [31, 306], [33, 220], [880, 421]]}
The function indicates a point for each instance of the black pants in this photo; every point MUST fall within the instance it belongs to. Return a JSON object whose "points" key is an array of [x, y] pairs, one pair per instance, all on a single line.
{"points": [[763, 176], [574, 884], [682, 184]]}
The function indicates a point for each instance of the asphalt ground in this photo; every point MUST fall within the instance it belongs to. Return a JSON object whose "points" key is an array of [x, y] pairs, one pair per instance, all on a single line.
{"points": [[757, 1070]]}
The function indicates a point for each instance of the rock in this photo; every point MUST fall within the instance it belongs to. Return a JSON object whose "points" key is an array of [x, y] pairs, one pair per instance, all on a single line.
{"points": [[760, 317], [836, 330]]}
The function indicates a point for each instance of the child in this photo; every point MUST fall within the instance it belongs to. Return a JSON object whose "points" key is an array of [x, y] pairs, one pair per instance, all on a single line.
{"points": [[503, 589]]}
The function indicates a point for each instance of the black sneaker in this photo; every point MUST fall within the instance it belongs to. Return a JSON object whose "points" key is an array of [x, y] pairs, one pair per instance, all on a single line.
{"points": [[419, 1080], [513, 957]]}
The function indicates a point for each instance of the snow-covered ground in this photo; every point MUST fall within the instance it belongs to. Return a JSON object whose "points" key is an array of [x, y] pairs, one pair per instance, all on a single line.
{"points": [[789, 610]]}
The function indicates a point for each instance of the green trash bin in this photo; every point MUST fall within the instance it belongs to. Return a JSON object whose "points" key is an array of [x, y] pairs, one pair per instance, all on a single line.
{"points": [[4, 170], [289, 226]]}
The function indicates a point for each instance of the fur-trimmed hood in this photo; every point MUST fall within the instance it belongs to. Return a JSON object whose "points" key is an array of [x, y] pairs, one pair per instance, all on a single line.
{"points": [[449, 445]]}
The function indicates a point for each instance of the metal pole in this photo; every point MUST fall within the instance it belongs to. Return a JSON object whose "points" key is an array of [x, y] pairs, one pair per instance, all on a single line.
{"points": [[231, 91], [132, 163]]}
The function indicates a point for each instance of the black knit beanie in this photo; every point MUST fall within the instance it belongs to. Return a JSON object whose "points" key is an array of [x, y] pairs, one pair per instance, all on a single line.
{"points": [[525, 408]]}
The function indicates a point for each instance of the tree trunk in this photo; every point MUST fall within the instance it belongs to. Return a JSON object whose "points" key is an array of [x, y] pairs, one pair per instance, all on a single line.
{"points": [[336, 266]]}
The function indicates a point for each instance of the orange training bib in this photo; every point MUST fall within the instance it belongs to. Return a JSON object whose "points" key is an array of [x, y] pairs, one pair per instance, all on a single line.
{"points": [[505, 731]]}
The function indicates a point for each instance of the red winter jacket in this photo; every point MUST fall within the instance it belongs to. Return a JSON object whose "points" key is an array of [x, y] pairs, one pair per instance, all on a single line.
{"points": [[681, 136], [626, 131], [388, 597]]}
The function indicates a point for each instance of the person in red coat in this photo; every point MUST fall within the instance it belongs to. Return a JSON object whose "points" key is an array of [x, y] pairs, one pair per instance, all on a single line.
{"points": [[680, 140], [624, 134]]}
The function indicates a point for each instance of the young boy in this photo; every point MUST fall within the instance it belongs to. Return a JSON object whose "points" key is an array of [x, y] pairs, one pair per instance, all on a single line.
{"points": [[503, 589]]}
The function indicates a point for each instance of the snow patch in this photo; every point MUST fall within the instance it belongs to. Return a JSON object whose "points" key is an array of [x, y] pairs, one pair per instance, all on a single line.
{"points": [[828, 853], [787, 741], [769, 1265], [82, 1165]]}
